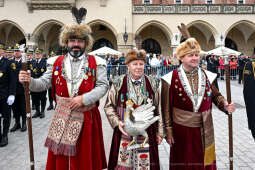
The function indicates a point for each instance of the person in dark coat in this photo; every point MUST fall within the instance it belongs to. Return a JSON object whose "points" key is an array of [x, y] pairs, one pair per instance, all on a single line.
{"points": [[212, 65], [249, 93], [30, 62], [8, 83], [40, 99], [19, 106], [241, 62]]}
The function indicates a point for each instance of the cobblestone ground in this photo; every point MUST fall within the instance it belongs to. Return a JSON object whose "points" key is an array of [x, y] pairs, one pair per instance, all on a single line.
{"points": [[16, 155]]}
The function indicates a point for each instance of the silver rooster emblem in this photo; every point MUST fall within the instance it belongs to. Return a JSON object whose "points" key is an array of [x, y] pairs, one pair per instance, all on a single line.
{"points": [[137, 120]]}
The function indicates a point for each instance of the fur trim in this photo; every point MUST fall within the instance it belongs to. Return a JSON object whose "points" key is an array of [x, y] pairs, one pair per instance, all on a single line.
{"points": [[76, 32], [135, 55], [188, 46]]}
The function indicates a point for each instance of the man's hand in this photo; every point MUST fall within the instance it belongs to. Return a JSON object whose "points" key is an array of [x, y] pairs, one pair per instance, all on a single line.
{"points": [[76, 103], [121, 125], [24, 76], [10, 100], [170, 141], [229, 107]]}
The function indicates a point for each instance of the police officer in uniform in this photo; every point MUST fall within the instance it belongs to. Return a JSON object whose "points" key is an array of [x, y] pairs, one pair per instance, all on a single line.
{"points": [[19, 106], [8, 83], [9, 53], [30, 62], [39, 67], [249, 92]]}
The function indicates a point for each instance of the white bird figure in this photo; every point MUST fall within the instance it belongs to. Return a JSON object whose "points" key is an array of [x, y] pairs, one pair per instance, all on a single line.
{"points": [[136, 121]]}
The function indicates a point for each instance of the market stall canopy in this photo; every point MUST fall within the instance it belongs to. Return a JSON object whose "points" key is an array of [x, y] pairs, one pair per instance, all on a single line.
{"points": [[105, 51], [223, 51]]}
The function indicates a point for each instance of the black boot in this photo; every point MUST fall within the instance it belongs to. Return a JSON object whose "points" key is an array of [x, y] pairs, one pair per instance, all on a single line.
{"points": [[24, 125], [4, 141], [43, 108], [37, 113], [50, 107], [15, 127]]}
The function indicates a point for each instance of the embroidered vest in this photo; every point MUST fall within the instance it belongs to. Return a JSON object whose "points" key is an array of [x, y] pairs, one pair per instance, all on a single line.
{"points": [[59, 84], [182, 100]]}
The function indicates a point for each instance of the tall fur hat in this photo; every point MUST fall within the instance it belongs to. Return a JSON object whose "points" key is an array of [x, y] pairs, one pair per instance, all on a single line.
{"points": [[135, 55], [188, 46], [79, 30]]}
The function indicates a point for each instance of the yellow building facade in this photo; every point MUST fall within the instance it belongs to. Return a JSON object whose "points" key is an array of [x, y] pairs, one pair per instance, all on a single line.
{"points": [[37, 23]]}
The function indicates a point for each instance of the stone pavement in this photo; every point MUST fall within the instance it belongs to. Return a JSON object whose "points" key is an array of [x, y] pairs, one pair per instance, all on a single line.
{"points": [[16, 155]]}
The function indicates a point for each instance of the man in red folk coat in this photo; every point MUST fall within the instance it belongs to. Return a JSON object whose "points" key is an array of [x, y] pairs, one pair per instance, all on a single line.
{"points": [[186, 101], [78, 81]]}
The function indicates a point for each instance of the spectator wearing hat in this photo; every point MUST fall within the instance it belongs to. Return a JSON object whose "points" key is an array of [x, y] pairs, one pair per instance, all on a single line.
{"points": [[8, 84], [9, 53]]}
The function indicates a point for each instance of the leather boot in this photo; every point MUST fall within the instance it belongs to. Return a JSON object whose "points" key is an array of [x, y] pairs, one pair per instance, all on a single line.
{"points": [[4, 141], [50, 107], [37, 113], [15, 127], [43, 109], [24, 125]]}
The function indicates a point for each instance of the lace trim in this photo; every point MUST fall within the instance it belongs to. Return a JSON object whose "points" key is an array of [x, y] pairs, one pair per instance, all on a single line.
{"points": [[195, 98]]}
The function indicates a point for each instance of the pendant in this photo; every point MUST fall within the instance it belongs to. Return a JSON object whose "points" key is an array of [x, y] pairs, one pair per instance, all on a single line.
{"points": [[209, 93], [85, 77], [55, 73]]}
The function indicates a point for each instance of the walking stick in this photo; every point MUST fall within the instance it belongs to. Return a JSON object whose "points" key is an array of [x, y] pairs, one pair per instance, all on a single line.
{"points": [[230, 128], [29, 121]]}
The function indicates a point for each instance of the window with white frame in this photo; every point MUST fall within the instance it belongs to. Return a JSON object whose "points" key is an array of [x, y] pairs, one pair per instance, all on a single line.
{"points": [[178, 1], [147, 1], [241, 1]]}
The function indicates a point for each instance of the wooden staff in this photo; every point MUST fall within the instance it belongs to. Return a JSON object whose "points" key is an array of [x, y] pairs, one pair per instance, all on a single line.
{"points": [[230, 128], [29, 121]]}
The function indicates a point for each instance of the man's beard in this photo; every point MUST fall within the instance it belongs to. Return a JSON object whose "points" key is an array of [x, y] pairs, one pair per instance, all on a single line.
{"points": [[75, 53]]}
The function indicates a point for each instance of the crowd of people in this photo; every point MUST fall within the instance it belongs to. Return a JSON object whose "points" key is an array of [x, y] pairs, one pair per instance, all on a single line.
{"points": [[143, 109], [13, 91], [159, 65]]}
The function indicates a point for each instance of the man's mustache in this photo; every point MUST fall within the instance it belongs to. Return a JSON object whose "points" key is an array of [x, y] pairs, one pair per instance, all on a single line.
{"points": [[76, 47]]}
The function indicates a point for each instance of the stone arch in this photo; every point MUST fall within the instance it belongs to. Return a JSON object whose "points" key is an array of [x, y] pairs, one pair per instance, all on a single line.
{"points": [[242, 33], [41, 26], [158, 24], [102, 22], [249, 23], [11, 32], [204, 32], [211, 28], [159, 32], [46, 36], [105, 31]]}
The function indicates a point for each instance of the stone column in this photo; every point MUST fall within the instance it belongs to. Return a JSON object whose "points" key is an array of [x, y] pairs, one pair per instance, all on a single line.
{"points": [[32, 40]]}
